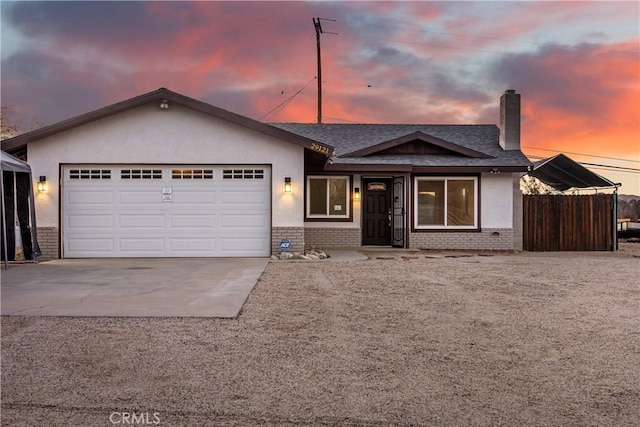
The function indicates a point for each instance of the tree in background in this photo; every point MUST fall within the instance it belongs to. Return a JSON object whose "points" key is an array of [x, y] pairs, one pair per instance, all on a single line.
{"points": [[533, 186], [8, 127], [628, 207]]}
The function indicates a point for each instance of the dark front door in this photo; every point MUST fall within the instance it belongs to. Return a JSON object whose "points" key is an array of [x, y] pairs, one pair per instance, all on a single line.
{"points": [[376, 211]]}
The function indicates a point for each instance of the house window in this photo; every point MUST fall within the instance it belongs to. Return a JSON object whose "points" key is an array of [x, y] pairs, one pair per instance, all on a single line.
{"points": [[191, 173], [446, 203], [243, 174], [90, 174], [328, 197], [141, 174]]}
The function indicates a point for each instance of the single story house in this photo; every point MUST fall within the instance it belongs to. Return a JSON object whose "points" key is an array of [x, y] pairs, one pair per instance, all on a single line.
{"points": [[165, 175]]}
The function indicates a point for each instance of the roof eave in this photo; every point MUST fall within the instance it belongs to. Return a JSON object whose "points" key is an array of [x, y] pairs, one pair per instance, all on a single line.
{"points": [[406, 168]]}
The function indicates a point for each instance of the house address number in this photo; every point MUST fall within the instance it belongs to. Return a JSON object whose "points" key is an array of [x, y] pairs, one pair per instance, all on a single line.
{"points": [[319, 148]]}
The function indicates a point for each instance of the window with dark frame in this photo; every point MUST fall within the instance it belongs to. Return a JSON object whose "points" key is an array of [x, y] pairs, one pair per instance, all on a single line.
{"points": [[90, 174], [446, 203], [328, 197]]}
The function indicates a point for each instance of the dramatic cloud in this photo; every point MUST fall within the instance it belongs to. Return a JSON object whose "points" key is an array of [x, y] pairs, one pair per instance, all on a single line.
{"points": [[581, 98], [575, 63]]}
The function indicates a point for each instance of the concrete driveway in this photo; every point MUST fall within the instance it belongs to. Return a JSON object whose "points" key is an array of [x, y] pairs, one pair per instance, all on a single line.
{"points": [[141, 287]]}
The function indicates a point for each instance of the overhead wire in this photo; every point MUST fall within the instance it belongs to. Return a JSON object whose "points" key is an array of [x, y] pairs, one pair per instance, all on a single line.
{"points": [[580, 154], [621, 169], [286, 102]]}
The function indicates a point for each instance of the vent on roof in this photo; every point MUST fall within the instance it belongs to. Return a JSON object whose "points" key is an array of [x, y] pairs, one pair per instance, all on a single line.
{"points": [[141, 174], [417, 147], [89, 174], [242, 173]]}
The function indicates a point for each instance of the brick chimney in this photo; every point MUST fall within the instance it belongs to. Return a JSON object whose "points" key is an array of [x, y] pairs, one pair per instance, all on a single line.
{"points": [[510, 120]]}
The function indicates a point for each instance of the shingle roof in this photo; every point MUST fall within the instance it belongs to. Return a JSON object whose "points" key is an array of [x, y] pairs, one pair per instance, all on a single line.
{"points": [[350, 138]]}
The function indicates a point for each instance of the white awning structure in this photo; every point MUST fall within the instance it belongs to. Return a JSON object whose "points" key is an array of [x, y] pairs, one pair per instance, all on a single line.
{"points": [[14, 166]]}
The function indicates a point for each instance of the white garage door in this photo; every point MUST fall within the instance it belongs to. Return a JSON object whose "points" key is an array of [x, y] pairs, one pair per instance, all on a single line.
{"points": [[166, 211]]}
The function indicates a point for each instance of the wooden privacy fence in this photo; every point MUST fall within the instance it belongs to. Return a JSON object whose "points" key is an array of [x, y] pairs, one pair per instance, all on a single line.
{"points": [[569, 223]]}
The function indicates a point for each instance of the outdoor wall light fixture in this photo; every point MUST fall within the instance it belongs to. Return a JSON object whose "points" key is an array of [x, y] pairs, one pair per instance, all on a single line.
{"points": [[164, 104], [356, 193], [42, 184], [287, 185], [495, 170]]}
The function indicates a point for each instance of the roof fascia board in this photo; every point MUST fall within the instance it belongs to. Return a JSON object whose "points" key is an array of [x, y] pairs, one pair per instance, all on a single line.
{"points": [[421, 136], [367, 168], [345, 167]]}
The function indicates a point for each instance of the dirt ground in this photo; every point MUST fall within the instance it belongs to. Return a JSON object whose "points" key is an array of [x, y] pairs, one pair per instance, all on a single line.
{"points": [[538, 339]]}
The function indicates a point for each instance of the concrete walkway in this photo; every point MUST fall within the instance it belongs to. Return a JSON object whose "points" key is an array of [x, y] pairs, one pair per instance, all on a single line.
{"points": [[140, 287]]}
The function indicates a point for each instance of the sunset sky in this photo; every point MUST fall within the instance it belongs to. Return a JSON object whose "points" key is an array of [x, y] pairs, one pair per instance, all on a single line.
{"points": [[576, 64]]}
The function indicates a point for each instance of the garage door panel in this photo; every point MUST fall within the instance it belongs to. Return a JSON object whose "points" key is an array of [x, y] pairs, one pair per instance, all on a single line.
{"points": [[182, 196], [170, 211], [251, 245], [243, 221], [89, 197], [183, 221], [139, 197], [244, 197], [139, 244], [91, 246], [193, 245], [89, 221], [127, 221]]}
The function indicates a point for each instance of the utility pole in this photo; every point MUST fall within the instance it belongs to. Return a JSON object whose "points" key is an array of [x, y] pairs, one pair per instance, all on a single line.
{"points": [[318, 27]]}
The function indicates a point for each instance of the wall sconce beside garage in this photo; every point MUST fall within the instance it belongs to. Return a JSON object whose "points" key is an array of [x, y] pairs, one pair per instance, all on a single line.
{"points": [[42, 184], [287, 185]]}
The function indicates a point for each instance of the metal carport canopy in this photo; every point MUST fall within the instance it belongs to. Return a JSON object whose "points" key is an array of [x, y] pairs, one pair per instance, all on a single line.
{"points": [[562, 173]]}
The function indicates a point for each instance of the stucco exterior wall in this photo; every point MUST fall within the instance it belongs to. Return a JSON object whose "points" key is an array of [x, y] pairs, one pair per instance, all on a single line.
{"points": [[496, 200], [177, 135]]}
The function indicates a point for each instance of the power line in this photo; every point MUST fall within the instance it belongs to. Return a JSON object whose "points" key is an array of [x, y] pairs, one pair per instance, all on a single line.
{"points": [[581, 154], [621, 168], [287, 101], [609, 170], [600, 166], [342, 120]]}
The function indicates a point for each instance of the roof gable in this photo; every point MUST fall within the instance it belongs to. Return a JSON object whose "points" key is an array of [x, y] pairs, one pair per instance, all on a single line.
{"points": [[418, 143], [159, 96]]}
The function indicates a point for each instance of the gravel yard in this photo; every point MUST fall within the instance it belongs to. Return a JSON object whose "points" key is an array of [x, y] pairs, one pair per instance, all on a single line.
{"points": [[508, 339]]}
